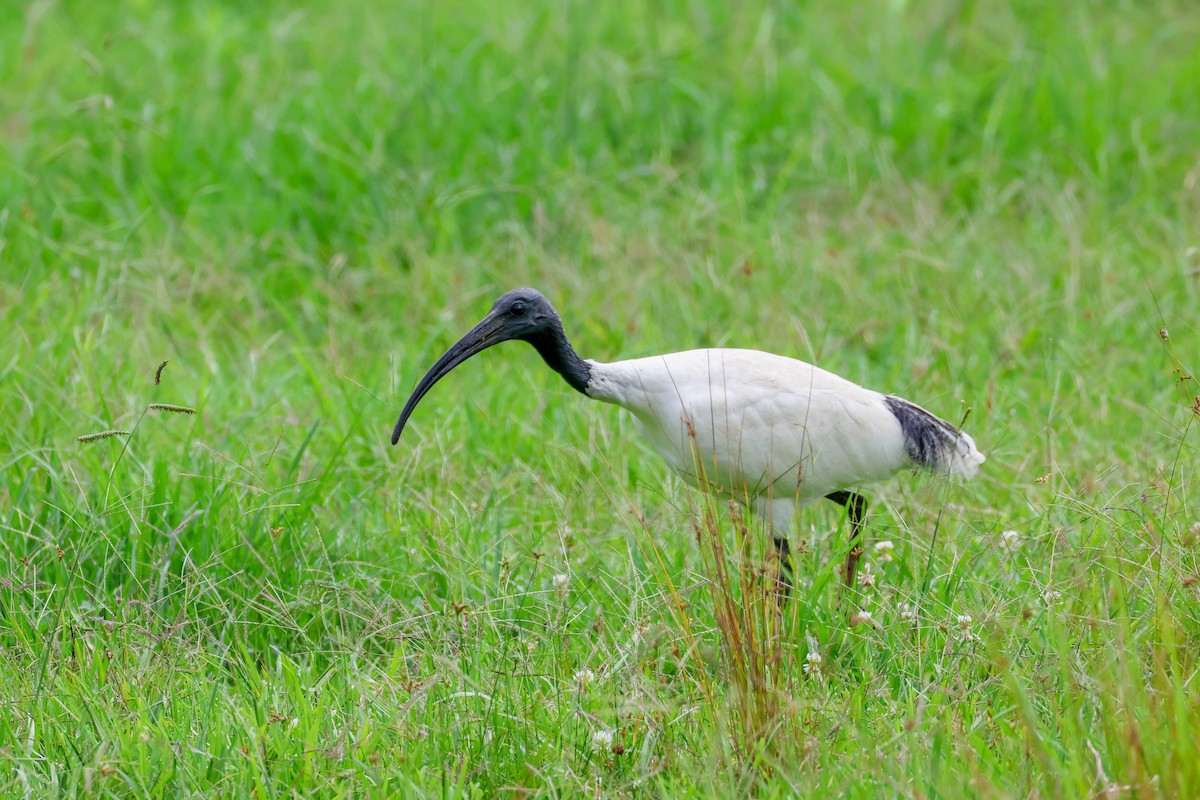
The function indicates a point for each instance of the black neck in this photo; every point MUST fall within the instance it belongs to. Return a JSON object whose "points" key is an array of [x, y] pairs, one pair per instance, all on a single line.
{"points": [[554, 348]]}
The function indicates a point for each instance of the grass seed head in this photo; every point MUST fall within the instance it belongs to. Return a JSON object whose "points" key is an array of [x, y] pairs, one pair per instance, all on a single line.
{"points": [[171, 408], [95, 437]]}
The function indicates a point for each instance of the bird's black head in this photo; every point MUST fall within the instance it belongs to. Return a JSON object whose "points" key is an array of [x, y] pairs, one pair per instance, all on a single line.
{"points": [[520, 314], [523, 314]]}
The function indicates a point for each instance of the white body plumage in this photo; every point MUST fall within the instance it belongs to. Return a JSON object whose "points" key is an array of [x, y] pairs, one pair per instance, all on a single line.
{"points": [[768, 429]]}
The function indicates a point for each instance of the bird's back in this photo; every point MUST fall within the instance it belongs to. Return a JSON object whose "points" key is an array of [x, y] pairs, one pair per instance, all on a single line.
{"points": [[751, 423]]}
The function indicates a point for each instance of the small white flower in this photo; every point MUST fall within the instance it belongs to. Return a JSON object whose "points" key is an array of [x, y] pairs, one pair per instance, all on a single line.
{"points": [[812, 664], [883, 550], [964, 627], [1195, 530], [562, 583], [907, 612], [1051, 597], [1011, 538], [862, 618], [867, 579], [602, 740], [584, 676]]}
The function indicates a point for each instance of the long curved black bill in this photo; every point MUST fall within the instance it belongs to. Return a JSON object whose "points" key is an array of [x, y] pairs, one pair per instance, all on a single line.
{"points": [[481, 337]]}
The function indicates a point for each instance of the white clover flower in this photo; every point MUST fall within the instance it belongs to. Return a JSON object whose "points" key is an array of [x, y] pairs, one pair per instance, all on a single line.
{"points": [[907, 612], [863, 617], [584, 676], [867, 579], [1195, 530], [812, 664], [562, 583], [1051, 597], [964, 627], [1010, 539], [883, 550], [602, 740]]}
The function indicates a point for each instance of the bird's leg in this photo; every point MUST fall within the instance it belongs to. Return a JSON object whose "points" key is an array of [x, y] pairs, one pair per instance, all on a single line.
{"points": [[778, 514], [856, 509], [783, 581]]}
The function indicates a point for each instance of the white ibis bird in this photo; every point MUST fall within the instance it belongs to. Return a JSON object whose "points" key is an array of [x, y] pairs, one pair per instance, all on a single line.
{"points": [[764, 429]]}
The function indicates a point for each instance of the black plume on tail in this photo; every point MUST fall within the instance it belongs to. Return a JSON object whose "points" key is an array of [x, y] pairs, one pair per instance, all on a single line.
{"points": [[933, 443]]}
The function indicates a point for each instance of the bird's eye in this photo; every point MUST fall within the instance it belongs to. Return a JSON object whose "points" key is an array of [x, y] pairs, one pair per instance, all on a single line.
{"points": [[518, 310]]}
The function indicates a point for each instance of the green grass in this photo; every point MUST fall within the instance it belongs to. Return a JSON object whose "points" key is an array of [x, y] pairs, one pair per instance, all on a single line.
{"points": [[300, 208]]}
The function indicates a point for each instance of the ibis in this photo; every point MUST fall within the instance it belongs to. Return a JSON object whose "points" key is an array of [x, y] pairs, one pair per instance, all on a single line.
{"points": [[769, 431]]}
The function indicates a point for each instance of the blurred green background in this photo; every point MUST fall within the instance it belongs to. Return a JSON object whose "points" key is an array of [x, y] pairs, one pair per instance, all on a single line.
{"points": [[299, 206]]}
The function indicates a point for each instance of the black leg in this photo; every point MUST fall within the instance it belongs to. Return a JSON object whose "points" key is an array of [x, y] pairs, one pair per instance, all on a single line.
{"points": [[784, 580], [856, 509]]}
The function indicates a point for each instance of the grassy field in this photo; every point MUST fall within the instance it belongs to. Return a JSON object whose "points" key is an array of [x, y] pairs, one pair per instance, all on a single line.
{"points": [[298, 207]]}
